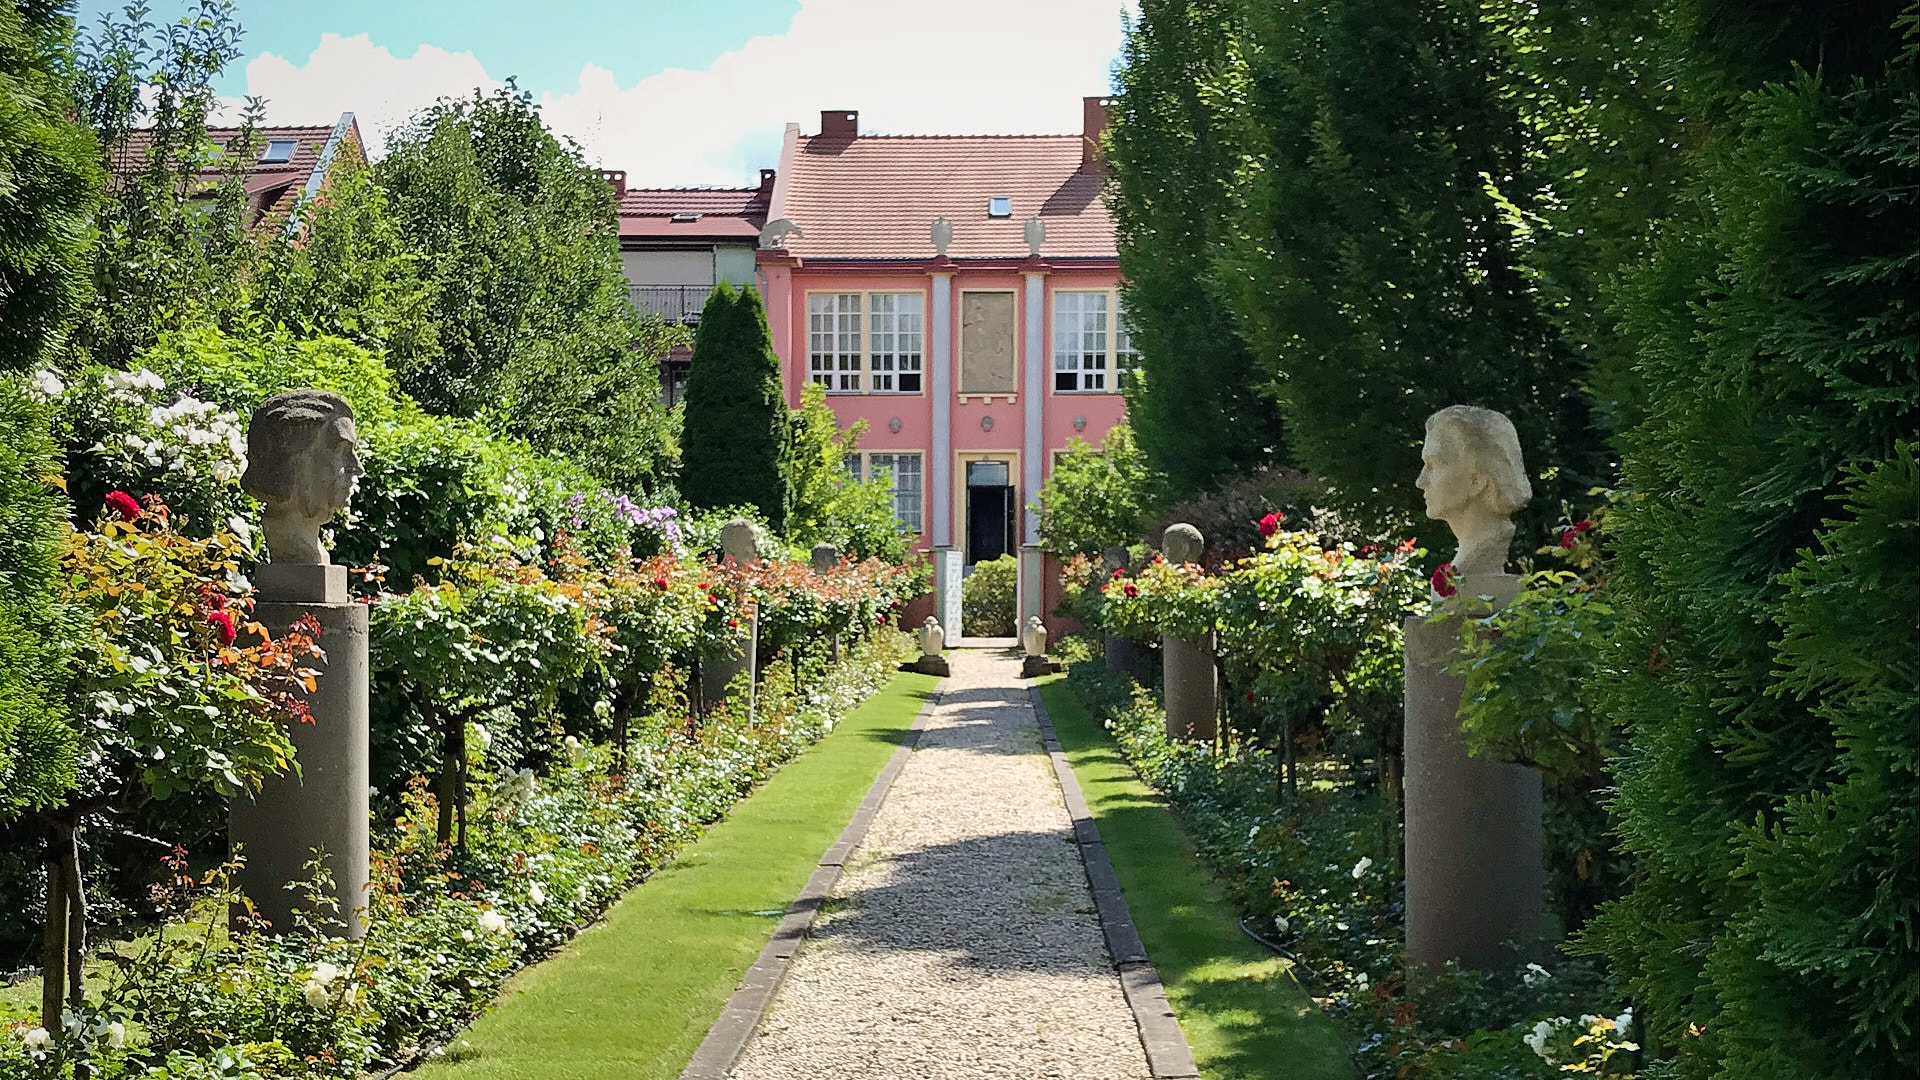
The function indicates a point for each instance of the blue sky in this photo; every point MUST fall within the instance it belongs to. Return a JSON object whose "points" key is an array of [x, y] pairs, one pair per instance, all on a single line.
{"points": [[680, 91]]}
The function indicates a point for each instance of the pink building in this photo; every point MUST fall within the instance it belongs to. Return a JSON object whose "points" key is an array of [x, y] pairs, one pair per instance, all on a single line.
{"points": [[959, 294]]}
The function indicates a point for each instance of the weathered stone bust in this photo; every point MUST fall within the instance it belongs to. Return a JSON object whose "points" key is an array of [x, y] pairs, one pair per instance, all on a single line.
{"points": [[302, 463], [1034, 641], [1474, 481], [932, 638]]}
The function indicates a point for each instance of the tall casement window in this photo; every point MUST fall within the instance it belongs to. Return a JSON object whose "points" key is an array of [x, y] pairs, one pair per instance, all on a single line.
{"points": [[906, 477], [892, 358], [1092, 348], [833, 341]]}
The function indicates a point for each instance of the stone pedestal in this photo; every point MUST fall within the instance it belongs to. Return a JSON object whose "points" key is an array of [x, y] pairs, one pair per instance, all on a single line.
{"points": [[1032, 585], [825, 558], [325, 806], [946, 590], [1476, 873], [1119, 651], [1192, 685], [720, 669]]}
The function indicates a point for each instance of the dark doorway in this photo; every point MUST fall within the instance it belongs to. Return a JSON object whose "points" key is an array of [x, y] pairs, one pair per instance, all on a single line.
{"points": [[990, 511]]}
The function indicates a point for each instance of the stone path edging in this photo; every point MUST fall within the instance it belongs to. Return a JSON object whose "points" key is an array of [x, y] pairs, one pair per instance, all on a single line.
{"points": [[1168, 1055], [737, 1022]]}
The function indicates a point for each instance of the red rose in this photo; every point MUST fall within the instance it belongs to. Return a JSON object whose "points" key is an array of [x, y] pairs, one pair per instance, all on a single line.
{"points": [[222, 626], [1573, 532], [123, 504], [1443, 578], [733, 622], [1131, 591], [1249, 695], [1119, 572], [1271, 524], [660, 583]]}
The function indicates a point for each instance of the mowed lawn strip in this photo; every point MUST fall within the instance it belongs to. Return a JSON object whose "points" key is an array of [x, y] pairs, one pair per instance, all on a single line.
{"points": [[632, 997], [1245, 1015]]}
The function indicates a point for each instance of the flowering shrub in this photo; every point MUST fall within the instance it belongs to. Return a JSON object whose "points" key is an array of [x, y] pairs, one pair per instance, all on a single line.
{"points": [[545, 857]]}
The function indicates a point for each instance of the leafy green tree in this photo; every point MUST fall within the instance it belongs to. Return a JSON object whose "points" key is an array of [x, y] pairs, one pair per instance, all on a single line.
{"points": [[1373, 274], [827, 504], [175, 235], [50, 184], [1196, 402], [1765, 558], [1096, 497], [517, 243], [734, 439]]}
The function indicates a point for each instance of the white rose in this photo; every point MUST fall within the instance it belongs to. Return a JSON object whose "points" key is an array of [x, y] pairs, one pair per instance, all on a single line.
{"points": [[38, 1039], [316, 993], [47, 384], [493, 922], [324, 973], [1361, 867], [536, 895]]}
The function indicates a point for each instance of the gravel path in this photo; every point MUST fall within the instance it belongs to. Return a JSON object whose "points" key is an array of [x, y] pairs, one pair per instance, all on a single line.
{"points": [[960, 941]]}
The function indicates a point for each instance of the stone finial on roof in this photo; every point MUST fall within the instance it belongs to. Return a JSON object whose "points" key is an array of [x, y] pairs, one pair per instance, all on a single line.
{"points": [[774, 234], [1036, 234], [941, 232]]}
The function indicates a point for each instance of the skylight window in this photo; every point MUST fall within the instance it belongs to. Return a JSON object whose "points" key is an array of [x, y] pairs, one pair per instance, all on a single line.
{"points": [[1000, 206], [686, 215], [278, 150]]}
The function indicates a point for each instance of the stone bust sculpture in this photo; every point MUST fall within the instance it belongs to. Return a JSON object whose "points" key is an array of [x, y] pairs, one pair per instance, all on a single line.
{"points": [[1474, 481], [302, 463]]}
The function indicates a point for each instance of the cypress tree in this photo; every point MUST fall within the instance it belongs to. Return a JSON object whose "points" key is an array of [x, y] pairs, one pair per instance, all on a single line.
{"points": [[1197, 409], [1374, 275], [1766, 559], [734, 433]]}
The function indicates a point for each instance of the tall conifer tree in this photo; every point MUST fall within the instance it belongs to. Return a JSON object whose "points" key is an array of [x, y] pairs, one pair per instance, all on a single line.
{"points": [[734, 435]]}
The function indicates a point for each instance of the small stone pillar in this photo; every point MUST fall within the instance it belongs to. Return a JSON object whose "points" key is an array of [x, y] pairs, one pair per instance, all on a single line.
{"points": [[1034, 643], [325, 806], [825, 558], [933, 640], [303, 465], [1119, 651], [1192, 685], [1031, 586], [719, 670], [946, 590], [1476, 871]]}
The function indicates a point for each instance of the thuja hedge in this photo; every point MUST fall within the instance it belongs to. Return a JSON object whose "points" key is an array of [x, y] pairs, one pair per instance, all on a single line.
{"points": [[545, 855]]}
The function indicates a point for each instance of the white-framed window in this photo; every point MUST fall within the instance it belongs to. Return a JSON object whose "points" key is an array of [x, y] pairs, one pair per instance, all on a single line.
{"points": [[892, 359], [851, 463], [1126, 358], [1080, 337], [833, 341], [908, 488], [894, 333]]}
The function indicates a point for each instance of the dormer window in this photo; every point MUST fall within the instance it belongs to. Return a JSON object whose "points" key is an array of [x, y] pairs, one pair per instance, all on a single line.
{"points": [[1000, 206], [278, 151]]}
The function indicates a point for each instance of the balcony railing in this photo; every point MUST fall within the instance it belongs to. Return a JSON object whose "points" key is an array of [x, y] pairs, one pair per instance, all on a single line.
{"points": [[674, 303]]}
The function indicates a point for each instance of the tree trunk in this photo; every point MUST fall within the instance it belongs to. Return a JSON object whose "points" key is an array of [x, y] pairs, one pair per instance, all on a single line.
{"points": [[53, 948]]}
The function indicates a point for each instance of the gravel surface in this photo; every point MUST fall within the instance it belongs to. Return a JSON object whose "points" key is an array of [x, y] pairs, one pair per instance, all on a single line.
{"points": [[960, 941]]}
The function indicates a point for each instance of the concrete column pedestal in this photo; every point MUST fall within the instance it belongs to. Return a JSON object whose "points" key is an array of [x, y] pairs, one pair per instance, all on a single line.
{"points": [[1475, 862], [326, 805], [719, 669], [946, 590], [1118, 650], [1192, 684]]}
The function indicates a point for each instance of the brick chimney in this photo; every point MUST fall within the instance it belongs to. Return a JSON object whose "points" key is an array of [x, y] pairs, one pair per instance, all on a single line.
{"points": [[616, 177], [766, 182], [839, 124], [1093, 124]]}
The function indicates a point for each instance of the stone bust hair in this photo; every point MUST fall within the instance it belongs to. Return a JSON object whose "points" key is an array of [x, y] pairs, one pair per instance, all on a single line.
{"points": [[1487, 439], [284, 429]]}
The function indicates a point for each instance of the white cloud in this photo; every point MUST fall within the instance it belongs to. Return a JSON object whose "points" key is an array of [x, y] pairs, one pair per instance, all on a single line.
{"points": [[982, 67], [352, 74]]}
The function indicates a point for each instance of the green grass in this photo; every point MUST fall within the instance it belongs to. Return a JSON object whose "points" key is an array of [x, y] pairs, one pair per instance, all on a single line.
{"points": [[633, 997], [1245, 1015]]}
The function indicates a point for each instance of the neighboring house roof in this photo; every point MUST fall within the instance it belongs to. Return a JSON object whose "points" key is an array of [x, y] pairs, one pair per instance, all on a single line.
{"points": [[274, 188], [871, 197], [692, 214]]}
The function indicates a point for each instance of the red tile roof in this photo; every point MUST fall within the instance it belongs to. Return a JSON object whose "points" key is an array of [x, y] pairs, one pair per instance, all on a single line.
{"points": [[725, 213], [273, 187], [873, 197]]}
